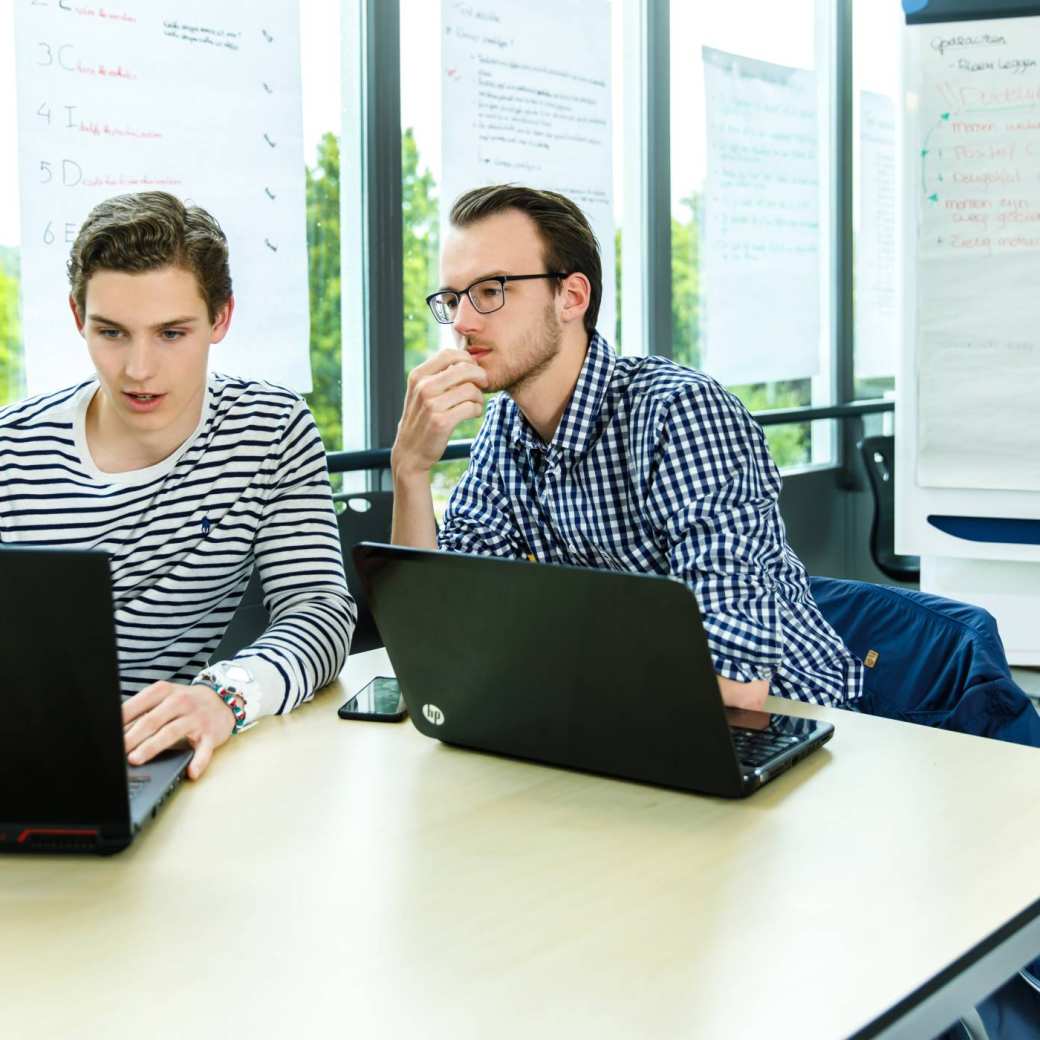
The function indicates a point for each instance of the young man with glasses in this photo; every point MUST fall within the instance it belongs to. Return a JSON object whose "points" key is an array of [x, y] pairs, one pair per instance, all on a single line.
{"points": [[630, 464], [585, 458], [186, 479]]}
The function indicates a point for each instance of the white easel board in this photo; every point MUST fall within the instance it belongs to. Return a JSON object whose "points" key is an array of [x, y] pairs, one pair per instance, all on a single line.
{"points": [[968, 422]]}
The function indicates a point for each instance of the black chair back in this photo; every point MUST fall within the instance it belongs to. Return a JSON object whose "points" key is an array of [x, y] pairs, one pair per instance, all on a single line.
{"points": [[363, 517], [879, 460]]}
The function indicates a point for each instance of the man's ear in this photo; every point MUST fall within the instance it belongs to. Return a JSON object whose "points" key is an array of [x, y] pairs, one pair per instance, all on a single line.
{"points": [[576, 291], [223, 321], [76, 316]]}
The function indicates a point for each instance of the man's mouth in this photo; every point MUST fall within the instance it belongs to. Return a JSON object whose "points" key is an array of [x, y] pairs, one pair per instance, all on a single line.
{"points": [[142, 402], [476, 352]]}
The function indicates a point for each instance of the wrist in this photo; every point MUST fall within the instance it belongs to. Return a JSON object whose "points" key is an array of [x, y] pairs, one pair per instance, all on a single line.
{"points": [[230, 695], [408, 474]]}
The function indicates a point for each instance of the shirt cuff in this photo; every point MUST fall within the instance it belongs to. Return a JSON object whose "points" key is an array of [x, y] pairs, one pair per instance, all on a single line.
{"points": [[263, 690], [742, 671]]}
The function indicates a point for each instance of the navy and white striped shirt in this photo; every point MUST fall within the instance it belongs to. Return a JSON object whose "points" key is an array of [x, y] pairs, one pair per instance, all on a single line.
{"points": [[655, 468], [249, 486]]}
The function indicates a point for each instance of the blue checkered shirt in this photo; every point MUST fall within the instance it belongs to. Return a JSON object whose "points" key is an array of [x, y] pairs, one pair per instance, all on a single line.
{"points": [[655, 468]]}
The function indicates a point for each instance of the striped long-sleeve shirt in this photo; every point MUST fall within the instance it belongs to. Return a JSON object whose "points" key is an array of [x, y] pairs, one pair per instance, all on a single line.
{"points": [[655, 468], [249, 487]]}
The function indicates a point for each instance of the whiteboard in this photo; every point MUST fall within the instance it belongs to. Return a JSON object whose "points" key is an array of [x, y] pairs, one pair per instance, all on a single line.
{"points": [[201, 100], [968, 424]]}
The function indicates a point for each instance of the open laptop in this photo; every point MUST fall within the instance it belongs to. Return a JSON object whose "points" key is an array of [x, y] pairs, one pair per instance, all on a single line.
{"points": [[595, 670], [65, 784]]}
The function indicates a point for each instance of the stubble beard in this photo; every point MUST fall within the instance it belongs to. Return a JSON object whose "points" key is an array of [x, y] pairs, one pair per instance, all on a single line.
{"points": [[531, 356]]}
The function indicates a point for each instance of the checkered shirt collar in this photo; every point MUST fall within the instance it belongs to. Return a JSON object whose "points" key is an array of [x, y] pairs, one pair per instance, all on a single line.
{"points": [[582, 412]]}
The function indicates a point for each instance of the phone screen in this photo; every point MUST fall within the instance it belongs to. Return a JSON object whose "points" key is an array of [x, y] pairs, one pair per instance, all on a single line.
{"points": [[380, 700]]}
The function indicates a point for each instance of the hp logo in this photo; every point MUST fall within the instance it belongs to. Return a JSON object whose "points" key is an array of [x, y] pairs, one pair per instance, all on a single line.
{"points": [[433, 714]]}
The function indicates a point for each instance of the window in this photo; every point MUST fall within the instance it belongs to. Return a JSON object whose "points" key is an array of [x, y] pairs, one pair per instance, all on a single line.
{"points": [[12, 381], [320, 67], [748, 244], [321, 124], [750, 235], [424, 206], [877, 32]]}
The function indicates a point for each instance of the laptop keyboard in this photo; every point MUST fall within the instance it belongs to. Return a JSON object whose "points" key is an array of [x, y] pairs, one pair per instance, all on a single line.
{"points": [[755, 747]]}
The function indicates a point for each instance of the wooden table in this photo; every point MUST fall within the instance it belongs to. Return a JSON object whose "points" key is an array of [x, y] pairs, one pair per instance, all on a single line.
{"points": [[331, 878]]}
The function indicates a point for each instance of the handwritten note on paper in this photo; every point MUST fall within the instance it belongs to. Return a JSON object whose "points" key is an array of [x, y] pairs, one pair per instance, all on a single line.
{"points": [[975, 101], [525, 103], [877, 319], [761, 214], [200, 100]]}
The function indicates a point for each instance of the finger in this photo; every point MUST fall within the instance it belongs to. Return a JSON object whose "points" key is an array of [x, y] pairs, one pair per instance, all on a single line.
{"points": [[441, 425], [164, 739], [201, 758], [461, 412], [464, 372], [450, 398], [444, 358], [144, 700], [173, 705]]}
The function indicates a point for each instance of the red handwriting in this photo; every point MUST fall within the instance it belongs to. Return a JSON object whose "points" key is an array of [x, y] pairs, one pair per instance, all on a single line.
{"points": [[112, 16], [105, 71], [987, 177], [104, 129], [122, 181]]}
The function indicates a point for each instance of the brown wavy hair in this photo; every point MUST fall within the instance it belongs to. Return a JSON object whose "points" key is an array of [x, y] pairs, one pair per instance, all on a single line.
{"points": [[568, 241], [146, 231]]}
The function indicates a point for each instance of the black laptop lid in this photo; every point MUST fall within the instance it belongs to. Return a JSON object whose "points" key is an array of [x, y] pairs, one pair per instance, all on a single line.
{"points": [[591, 669], [61, 751]]}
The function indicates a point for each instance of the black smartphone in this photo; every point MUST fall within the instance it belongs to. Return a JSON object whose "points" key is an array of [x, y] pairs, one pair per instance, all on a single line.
{"points": [[379, 701]]}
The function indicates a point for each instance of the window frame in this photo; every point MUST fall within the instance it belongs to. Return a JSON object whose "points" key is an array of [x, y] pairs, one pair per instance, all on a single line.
{"points": [[372, 191]]}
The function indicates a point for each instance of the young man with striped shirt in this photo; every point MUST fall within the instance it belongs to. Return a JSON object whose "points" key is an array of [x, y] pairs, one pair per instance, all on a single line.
{"points": [[631, 464], [188, 481]]}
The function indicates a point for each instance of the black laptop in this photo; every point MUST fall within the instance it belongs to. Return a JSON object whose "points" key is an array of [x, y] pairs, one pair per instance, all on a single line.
{"points": [[594, 670], [65, 784]]}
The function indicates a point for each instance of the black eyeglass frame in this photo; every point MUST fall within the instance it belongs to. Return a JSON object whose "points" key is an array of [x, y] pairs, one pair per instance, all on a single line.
{"points": [[500, 278]]}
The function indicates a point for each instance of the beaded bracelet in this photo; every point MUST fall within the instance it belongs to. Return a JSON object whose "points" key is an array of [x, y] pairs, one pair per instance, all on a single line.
{"points": [[228, 694]]}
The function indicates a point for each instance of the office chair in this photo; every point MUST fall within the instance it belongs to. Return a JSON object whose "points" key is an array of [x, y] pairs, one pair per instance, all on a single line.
{"points": [[363, 517], [360, 517], [879, 460]]}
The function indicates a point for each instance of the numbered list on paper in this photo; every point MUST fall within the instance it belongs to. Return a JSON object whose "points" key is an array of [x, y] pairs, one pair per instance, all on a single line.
{"points": [[200, 100]]}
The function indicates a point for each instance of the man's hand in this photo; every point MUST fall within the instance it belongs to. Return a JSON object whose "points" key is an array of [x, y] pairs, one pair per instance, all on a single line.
{"points": [[442, 392], [749, 695], [165, 714]]}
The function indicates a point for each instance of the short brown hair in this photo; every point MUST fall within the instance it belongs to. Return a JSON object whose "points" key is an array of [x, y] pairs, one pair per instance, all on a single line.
{"points": [[146, 231], [568, 241]]}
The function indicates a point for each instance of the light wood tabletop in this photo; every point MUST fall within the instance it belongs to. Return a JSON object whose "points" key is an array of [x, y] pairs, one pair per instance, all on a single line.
{"points": [[357, 879]]}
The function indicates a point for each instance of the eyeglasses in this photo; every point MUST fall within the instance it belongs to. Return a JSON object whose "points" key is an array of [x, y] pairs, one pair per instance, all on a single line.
{"points": [[487, 296]]}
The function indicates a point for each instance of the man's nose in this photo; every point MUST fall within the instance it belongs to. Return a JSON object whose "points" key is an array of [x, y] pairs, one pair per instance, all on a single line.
{"points": [[467, 318], [140, 360]]}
